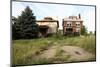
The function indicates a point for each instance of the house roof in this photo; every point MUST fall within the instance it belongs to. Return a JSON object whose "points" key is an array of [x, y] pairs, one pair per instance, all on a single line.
{"points": [[72, 18], [48, 19]]}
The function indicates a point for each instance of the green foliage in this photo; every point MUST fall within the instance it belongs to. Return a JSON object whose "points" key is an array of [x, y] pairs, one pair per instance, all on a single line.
{"points": [[84, 31], [58, 35], [14, 20], [91, 33], [88, 43], [25, 25]]}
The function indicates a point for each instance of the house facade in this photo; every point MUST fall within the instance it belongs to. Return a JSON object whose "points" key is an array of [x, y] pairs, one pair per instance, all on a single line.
{"points": [[47, 26], [72, 25]]}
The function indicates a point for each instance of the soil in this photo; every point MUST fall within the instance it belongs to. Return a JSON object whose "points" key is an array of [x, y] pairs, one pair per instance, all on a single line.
{"points": [[76, 53]]}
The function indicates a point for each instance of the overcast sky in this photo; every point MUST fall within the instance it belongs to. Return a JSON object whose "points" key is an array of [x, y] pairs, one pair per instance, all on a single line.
{"points": [[58, 11]]}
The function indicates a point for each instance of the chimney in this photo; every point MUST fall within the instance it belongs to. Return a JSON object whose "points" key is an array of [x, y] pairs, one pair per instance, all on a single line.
{"points": [[79, 16]]}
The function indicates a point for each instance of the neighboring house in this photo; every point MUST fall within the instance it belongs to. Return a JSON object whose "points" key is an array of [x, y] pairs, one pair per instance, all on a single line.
{"points": [[47, 26], [72, 25]]}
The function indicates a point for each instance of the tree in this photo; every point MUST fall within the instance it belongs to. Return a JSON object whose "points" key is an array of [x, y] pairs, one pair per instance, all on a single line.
{"points": [[84, 31], [91, 33], [25, 25], [14, 19]]}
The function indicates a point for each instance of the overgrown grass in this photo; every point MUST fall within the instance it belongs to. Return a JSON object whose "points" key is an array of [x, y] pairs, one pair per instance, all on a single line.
{"points": [[26, 51], [26, 48], [60, 57]]}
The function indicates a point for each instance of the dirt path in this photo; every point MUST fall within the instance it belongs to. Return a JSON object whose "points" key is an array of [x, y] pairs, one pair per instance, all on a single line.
{"points": [[49, 53], [76, 53]]}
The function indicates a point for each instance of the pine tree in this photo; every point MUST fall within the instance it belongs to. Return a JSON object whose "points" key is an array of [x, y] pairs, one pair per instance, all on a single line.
{"points": [[14, 19], [26, 26]]}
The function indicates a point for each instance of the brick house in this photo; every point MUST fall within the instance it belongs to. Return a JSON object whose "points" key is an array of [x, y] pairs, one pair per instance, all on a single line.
{"points": [[47, 26], [72, 25]]}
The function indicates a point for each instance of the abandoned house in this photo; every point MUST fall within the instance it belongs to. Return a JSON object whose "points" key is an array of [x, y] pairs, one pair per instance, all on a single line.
{"points": [[72, 25], [47, 26]]}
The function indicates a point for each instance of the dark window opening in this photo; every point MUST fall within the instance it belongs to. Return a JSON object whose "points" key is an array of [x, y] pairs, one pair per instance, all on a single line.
{"points": [[68, 25], [69, 29], [43, 30]]}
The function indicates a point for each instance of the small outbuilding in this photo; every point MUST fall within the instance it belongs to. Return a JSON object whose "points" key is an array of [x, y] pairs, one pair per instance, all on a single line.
{"points": [[47, 26]]}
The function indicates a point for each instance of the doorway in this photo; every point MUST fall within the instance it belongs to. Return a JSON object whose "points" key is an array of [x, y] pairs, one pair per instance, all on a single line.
{"points": [[43, 30]]}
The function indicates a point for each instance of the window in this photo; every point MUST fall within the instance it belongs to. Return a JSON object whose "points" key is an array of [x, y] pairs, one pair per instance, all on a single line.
{"points": [[77, 24], [67, 25], [70, 25]]}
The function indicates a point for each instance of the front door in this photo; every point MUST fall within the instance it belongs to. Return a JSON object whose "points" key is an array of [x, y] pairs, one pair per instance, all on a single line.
{"points": [[69, 31]]}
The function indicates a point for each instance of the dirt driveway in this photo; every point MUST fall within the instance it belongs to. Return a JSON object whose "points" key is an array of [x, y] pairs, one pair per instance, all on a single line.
{"points": [[76, 53]]}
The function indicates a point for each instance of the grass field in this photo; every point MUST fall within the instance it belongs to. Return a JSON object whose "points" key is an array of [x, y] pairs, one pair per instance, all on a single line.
{"points": [[27, 51]]}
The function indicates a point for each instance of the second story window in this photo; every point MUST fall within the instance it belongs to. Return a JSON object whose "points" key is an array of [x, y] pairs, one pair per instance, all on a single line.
{"points": [[77, 25], [69, 25]]}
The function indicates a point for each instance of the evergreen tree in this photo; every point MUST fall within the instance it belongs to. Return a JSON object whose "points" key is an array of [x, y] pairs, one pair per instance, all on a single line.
{"points": [[25, 25], [14, 19]]}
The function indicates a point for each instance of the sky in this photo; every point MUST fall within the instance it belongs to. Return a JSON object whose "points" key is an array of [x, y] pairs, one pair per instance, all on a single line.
{"points": [[58, 12]]}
